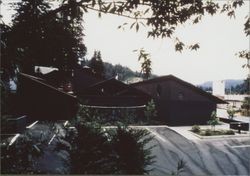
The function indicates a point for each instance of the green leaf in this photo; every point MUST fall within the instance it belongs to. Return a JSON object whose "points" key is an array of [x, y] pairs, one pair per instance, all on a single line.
{"points": [[137, 27]]}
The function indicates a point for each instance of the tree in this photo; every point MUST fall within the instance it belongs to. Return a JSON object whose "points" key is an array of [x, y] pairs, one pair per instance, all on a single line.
{"points": [[161, 17], [231, 113], [96, 64], [245, 54], [56, 41], [150, 111], [133, 154], [214, 120], [145, 60], [96, 150], [245, 107]]}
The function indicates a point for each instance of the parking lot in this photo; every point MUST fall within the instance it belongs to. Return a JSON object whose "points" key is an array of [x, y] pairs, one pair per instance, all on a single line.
{"points": [[219, 156]]}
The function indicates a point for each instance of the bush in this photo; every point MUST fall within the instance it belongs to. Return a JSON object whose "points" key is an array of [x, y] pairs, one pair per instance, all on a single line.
{"points": [[109, 151], [208, 132], [231, 112], [214, 120], [196, 129], [150, 111], [229, 132], [133, 156]]}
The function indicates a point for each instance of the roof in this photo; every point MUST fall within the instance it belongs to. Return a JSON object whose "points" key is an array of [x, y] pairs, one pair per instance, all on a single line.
{"points": [[184, 83], [43, 83], [115, 88]]}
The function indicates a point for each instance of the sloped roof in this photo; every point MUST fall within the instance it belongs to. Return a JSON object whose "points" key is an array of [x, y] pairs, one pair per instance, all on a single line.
{"points": [[115, 88], [184, 83], [43, 83]]}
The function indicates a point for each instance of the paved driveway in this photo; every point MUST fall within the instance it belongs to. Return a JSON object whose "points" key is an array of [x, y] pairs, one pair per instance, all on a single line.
{"points": [[202, 157]]}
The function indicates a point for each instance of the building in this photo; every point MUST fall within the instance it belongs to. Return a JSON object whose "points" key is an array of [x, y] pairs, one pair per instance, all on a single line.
{"points": [[83, 78], [41, 101], [115, 100], [179, 102], [219, 88], [112, 92]]}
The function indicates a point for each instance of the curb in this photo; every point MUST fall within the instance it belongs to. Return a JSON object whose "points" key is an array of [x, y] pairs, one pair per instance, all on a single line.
{"points": [[220, 136]]}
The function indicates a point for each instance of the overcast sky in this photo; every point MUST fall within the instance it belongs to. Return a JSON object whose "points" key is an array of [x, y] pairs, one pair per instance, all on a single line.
{"points": [[219, 37]]}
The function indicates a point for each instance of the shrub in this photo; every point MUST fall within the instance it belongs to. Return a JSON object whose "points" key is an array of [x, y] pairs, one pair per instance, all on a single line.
{"points": [[109, 151], [229, 132], [133, 156], [231, 113], [208, 132], [214, 120], [150, 111], [196, 129]]}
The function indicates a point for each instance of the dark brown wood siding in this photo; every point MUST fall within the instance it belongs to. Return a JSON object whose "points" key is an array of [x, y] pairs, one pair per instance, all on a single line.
{"points": [[178, 104]]}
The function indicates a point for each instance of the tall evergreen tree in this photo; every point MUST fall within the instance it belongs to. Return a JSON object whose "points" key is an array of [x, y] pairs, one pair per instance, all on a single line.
{"points": [[56, 41], [96, 64]]}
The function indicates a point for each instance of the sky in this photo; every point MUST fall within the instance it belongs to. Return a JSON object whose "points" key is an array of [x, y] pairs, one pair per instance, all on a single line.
{"points": [[219, 38]]}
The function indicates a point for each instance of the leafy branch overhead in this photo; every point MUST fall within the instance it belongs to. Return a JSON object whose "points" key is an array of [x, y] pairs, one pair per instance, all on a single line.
{"points": [[146, 63], [161, 17]]}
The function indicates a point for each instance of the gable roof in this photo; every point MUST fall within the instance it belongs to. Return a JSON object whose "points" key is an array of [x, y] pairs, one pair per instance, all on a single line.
{"points": [[114, 87], [184, 83], [42, 82]]}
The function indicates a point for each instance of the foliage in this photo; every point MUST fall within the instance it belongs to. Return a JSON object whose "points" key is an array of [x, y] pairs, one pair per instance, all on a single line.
{"points": [[208, 132], [122, 73], [20, 156], [91, 151], [214, 120], [145, 60], [246, 106], [134, 155], [231, 113], [56, 41], [106, 116], [97, 150], [196, 129], [242, 88], [150, 111], [229, 132], [180, 168], [162, 17], [96, 64]]}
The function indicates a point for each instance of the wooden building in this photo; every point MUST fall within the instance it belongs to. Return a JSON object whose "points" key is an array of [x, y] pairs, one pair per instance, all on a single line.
{"points": [[41, 101], [112, 92], [179, 102], [83, 78], [115, 100]]}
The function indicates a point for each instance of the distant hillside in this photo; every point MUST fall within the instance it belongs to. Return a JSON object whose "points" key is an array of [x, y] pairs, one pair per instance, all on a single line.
{"points": [[123, 73], [228, 83]]}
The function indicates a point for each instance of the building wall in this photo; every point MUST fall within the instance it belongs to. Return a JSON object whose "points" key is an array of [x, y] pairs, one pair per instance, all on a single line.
{"points": [[178, 104]]}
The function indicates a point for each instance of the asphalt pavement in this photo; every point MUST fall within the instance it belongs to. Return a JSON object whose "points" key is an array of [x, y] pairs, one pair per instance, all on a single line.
{"points": [[202, 157]]}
